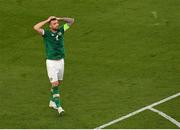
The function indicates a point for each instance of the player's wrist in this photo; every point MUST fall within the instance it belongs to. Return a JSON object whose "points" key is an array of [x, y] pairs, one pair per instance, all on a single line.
{"points": [[59, 18], [47, 20], [50, 18]]}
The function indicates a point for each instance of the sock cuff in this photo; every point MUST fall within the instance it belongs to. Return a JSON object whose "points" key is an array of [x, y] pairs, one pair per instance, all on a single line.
{"points": [[56, 95], [55, 90], [55, 86]]}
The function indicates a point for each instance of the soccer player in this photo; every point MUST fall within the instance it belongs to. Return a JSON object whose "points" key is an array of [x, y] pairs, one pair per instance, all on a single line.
{"points": [[54, 43]]}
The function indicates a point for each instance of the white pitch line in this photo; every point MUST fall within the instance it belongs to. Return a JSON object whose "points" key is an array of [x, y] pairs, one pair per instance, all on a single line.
{"points": [[166, 116], [138, 111]]}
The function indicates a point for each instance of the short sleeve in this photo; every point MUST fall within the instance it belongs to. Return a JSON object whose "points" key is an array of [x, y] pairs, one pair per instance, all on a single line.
{"points": [[44, 33]]}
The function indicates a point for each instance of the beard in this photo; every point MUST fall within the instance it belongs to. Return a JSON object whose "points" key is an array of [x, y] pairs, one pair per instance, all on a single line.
{"points": [[56, 28]]}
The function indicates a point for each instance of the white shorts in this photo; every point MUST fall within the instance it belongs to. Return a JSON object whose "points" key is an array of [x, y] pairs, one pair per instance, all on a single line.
{"points": [[55, 69]]}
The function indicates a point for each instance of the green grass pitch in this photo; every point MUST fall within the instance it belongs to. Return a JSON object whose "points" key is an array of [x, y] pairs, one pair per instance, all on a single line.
{"points": [[121, 55]]}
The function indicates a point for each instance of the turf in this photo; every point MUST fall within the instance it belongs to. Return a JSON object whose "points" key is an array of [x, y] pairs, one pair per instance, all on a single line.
{"points": [[170, 108], [121, 55], [144, 120]]}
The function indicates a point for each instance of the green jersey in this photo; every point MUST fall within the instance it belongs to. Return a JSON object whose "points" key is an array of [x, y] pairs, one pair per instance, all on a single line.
{"points": [[54, 43]]}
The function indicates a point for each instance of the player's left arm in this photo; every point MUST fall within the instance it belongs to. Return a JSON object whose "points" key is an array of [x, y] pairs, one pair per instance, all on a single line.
{"points": [[69, 22]]}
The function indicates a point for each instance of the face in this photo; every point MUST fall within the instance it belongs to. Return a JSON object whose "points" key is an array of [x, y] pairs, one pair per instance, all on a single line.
{"points": [[54, 24]]}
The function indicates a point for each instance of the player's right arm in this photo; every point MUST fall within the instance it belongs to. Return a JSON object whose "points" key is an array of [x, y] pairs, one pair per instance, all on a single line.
{"points": [[38, 27]]}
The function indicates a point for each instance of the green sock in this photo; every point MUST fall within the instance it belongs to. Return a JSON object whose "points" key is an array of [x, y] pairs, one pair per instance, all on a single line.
{"points": [[56, 96], [51, 95]]}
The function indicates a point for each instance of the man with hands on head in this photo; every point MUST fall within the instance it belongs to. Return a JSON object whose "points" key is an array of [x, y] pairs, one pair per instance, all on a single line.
{"points": [[55, 54]]}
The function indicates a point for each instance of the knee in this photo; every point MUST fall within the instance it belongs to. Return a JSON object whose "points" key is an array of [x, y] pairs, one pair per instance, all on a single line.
{"points": [[56, 83]]}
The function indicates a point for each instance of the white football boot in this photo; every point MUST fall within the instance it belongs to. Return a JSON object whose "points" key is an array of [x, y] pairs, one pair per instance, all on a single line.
{"points": [[52, 105], [60, 111]]}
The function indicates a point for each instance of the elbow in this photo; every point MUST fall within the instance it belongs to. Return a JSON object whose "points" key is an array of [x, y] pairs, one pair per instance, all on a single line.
{"points": [[34, 27], [72, 21]]}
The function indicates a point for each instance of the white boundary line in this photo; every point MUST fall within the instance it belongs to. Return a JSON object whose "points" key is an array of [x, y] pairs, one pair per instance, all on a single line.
{"points": [[138, 111], [166, 116]]}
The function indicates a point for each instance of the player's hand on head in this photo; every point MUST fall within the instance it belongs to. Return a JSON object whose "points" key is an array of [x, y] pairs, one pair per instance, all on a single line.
{"points": [[58, 18], [51, 17]]}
